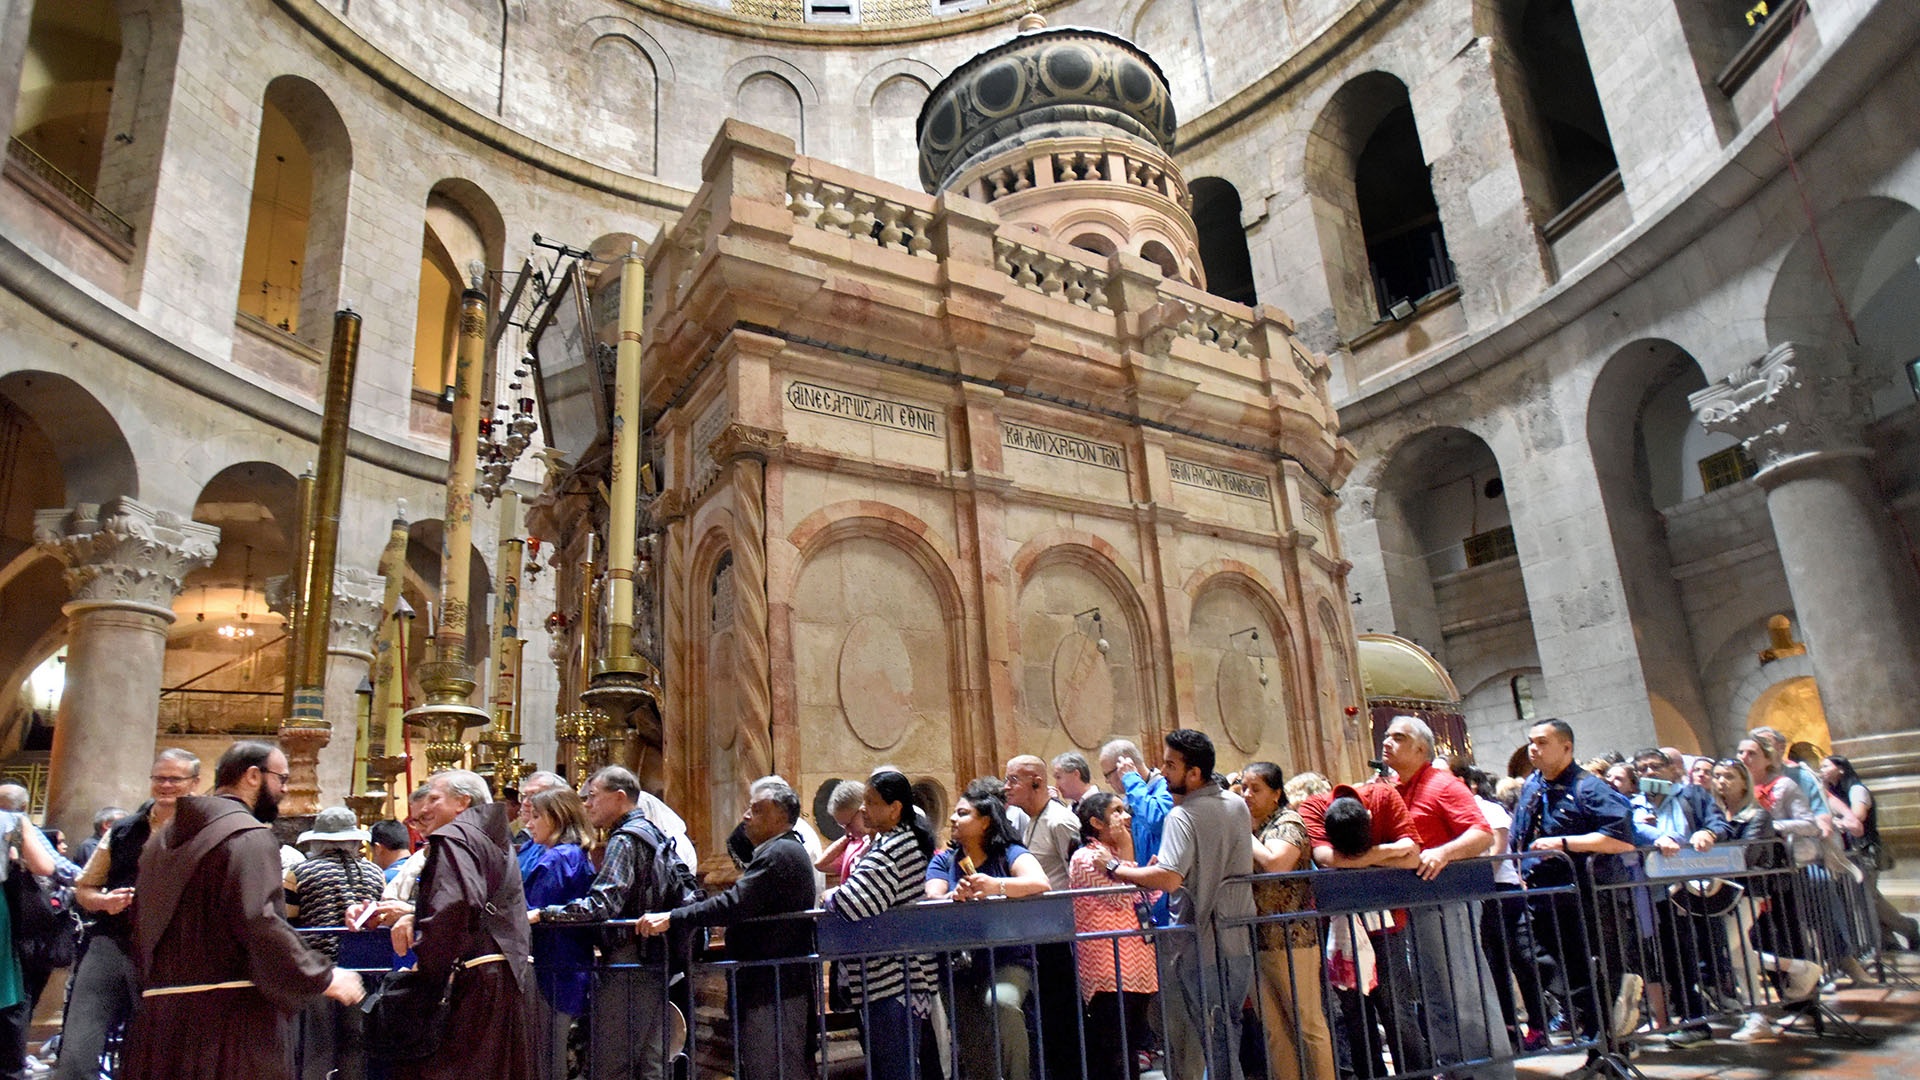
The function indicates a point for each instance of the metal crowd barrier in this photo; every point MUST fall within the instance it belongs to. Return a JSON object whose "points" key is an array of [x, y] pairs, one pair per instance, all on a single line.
{"points": [[1385, 976]]}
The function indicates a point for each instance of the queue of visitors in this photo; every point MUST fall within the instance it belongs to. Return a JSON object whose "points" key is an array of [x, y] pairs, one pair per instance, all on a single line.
{"points": [[547, 935]]}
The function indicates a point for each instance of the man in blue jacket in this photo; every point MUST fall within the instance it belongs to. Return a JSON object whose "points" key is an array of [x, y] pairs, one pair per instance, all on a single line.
{"points": [[1669, 814], [1148, 802], [1564, 808]]}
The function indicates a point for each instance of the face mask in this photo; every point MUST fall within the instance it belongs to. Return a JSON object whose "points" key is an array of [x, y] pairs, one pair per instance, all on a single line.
{"points": [[1652, 786]]}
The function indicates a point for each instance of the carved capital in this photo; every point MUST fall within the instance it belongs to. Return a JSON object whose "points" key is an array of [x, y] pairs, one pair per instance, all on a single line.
{"points": [[1794, 401], [125, 553], [354, 617], [669, 506], [738, 440]]}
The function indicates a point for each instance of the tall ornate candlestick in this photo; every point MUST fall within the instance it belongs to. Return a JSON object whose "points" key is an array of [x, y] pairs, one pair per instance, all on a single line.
{"points": [[305, 730], [623, 680], [503, 735], [389, 690], [447, 679]]}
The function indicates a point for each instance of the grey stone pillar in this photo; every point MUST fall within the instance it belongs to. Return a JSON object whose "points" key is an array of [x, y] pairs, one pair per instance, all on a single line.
{"points": [[1799, 412], [126, 562], [352, 622]]}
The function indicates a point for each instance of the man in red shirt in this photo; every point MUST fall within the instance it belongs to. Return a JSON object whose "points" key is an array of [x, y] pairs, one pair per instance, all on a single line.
{"points": [[1395, 1002], [1456, 988]]}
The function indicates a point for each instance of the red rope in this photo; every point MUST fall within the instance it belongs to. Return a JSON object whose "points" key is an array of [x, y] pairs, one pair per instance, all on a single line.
{"points": [[1800, 184]]}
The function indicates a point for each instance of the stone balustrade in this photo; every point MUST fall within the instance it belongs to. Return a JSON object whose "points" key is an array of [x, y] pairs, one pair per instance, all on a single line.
{"points": [[1046, 162], [1051, 274], [822, 203]]}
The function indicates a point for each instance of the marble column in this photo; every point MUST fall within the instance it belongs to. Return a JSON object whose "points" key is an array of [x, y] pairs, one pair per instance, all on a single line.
{"points": [[1799, 411], [352, 623], [126, 562], [742, 450]]}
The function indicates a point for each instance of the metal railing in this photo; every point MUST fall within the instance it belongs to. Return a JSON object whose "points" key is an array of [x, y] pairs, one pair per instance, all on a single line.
{"points": [[1379, 974], [29, 160]]}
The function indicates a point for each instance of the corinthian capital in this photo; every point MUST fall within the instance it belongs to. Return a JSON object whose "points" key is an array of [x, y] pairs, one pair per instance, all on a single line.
{"points": [[1795, 400], [125, 553], [738, 440], [353, 620]]}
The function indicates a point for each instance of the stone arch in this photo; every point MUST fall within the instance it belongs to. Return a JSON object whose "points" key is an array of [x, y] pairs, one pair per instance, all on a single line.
{"points": [[1169, 30], [1157, 251], [775, 94], [604, 26], [1223, 240], [710, 715], [1646, 448], [1061, 574], [225, 636], [875, 620], [1372, 190], [96, 462], [297, 220], [1792, 706], [621, 84], [462, 225], [1871, 247], [1564, 146], [1734, 678], [1433, 491], [892, 95], [1229, 653]]}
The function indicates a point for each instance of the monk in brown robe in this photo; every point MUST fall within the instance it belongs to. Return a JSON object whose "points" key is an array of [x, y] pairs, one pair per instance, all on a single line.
{"points": [[222, 971], [470, 909]]}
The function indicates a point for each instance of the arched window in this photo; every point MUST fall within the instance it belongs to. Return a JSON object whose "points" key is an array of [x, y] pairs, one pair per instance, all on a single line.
{"points": [[1158, 254], [462, 228], [1564, 104], [296, 225], [66, 86], [1223, 242], [1406, 247]]}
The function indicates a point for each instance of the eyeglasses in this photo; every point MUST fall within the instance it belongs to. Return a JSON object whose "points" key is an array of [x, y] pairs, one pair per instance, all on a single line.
{"points": [[172, 779], [285, 777]]}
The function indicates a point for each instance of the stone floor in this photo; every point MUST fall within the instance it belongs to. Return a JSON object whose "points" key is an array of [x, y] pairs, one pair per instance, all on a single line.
{"points": [[1888, 1016]]}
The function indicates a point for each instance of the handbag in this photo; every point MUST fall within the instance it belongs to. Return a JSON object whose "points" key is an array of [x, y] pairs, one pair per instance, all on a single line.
{"points": [[406, 1017]]}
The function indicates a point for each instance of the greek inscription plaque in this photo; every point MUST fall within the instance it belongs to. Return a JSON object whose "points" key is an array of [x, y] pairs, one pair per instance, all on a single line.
{"points": [[1065, 447], [1225, 481], [879, 412]]}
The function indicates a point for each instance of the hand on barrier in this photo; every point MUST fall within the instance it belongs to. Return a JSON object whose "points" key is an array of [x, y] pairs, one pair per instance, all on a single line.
{"points": [[403, 934], [346, 987], [1432, 861], [652, 925]]}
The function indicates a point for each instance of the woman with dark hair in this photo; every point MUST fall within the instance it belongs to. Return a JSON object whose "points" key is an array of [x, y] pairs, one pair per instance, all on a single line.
{"points": [[892, 993], [991, 987], [1118, 975], [562, 956], [1859, 824]]}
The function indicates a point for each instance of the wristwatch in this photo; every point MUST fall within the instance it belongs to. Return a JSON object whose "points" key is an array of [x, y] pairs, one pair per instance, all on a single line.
{"points": [[1112, 865]]}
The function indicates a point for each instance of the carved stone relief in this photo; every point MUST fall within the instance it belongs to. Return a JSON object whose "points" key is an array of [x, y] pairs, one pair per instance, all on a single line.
{"points": [[876, 682]]}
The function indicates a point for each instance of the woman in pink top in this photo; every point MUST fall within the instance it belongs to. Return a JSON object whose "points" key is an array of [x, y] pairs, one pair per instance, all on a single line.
{"points": [[1114, 1005]]}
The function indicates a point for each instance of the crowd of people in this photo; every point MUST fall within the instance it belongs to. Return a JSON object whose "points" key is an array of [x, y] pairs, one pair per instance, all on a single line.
{"points": [[544, 933]]}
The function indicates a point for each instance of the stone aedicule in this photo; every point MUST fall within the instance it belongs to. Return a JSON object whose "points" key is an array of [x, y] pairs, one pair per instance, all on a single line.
{"points": [[994, 493]]}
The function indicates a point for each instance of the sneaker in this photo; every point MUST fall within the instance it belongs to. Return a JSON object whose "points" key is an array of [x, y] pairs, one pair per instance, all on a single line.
{"points": [[36, 1067], [1803, 978], [1754, 1027], [1689, 1038], [1626, 1005]]}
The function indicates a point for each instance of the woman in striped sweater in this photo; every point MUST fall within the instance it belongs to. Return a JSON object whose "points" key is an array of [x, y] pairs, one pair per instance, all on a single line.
{"points": [[893, 993]]}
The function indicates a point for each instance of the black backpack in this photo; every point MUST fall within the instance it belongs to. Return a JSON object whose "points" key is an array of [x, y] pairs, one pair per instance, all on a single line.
{"points": [[45, 931], [671, 884]]}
